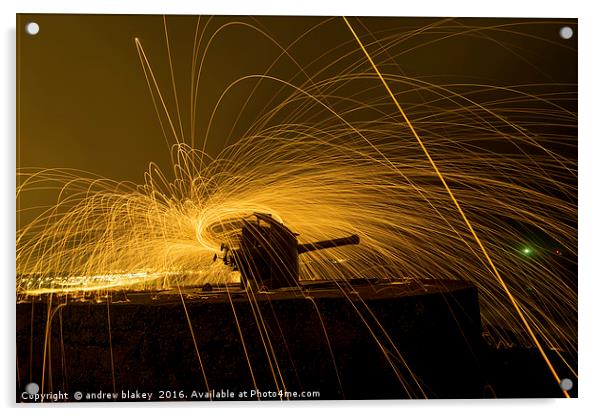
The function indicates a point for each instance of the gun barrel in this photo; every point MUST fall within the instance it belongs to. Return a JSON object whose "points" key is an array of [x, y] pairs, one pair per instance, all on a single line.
{"points": [[320, 245]]}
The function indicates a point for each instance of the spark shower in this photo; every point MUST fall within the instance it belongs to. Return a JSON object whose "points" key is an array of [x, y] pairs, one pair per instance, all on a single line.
{"points": [[447, 145]]}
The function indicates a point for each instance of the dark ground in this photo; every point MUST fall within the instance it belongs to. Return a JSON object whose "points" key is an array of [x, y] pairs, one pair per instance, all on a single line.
{"points": [[341, 344]]}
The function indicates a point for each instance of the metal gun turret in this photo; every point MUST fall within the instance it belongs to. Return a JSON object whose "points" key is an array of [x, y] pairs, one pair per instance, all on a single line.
{"points": [[267, 255]]}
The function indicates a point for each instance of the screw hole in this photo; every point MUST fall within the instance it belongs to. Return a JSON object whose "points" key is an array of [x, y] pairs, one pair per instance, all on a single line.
{"points": [[566, 32], [566, 384], [32, 28]]}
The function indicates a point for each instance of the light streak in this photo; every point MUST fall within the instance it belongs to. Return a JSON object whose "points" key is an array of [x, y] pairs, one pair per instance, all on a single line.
{"points": [[515, 304]]}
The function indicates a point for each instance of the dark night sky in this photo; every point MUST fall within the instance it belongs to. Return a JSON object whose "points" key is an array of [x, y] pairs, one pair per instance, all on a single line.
{"points": [[83, 101]]}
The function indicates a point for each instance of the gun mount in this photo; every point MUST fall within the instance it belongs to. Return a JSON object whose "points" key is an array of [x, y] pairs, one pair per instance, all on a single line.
{"points": [[268, 252]]}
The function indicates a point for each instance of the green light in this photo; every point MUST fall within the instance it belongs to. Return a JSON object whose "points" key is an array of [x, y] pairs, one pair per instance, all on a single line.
{"points": [[527, 251]]}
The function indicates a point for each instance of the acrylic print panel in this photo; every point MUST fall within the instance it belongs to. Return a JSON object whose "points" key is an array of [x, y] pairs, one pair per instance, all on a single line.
{"points": [[295, 208]]}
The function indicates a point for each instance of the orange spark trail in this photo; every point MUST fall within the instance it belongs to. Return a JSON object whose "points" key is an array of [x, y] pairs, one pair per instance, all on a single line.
{"points": [[460, 210]]}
